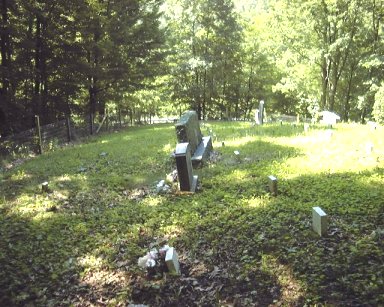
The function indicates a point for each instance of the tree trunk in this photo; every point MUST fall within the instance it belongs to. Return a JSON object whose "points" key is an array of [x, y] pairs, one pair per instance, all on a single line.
{"points": [[204, 94], [4, 49], [324, 84], [37, 74]]}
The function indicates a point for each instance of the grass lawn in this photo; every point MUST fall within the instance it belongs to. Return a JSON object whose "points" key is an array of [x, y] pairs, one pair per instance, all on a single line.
{"points": [[237, 244]]}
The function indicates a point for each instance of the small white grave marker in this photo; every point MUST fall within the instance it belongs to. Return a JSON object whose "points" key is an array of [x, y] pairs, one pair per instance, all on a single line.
{"points": [[237, 155], [306, 127], [328, 134], [272, 185], [369, 148], [319, 221], [172, 261]]}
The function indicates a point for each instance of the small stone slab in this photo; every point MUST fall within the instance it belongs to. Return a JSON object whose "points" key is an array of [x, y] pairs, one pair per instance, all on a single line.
{"points": [[272, 182], [172, 261], [319, 221]]}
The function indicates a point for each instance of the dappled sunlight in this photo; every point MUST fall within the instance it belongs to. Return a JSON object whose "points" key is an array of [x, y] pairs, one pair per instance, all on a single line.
{"points": [[30, 205], [91, 261], [236, 176], [331, 151], [98, 280], [20, 175], [172, 231], [152, 201], [41, 215], [256, 202], [292, 290], [168, 148], [237, 142]]}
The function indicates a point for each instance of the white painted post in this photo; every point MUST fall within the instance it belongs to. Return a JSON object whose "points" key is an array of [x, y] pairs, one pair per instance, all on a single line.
{"points": [[272, 185], [319, 221]]}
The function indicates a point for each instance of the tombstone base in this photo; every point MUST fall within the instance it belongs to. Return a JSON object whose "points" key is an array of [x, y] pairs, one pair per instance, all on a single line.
{"points": [[202, 151], [194, 183]]}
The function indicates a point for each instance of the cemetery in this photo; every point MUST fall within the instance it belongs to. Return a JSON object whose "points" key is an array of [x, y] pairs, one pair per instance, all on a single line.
{"points": [[191, 153], [281, 216]]}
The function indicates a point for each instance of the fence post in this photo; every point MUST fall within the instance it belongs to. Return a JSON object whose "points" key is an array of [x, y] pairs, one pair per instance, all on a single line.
{"points": [[40, 145], [68, 124]]}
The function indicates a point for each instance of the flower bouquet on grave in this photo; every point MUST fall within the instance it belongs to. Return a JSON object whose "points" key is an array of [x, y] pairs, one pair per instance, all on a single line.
{"points": [[160, 261]]}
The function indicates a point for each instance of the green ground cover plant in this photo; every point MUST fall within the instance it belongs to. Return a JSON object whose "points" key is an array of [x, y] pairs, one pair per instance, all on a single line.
{"points": [[78, 244]]}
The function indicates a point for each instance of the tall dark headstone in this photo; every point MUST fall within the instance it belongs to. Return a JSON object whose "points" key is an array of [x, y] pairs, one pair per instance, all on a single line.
{"points": [[188, 131], [187, 181]]}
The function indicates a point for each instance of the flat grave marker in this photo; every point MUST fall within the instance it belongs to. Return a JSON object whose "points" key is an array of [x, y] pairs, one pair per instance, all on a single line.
{"points": [[172, 261], [319, 221], [272, 183]]}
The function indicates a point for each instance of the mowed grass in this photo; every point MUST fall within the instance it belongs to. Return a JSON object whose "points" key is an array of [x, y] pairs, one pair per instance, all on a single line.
{"points": [[79, 244]]}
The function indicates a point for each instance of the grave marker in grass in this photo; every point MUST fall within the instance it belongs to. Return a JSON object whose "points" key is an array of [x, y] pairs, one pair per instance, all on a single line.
{"points": [[45, 187], [187, 181], [172, 261], [369, 148], [188, 131], [319, 221], [272, 183]]}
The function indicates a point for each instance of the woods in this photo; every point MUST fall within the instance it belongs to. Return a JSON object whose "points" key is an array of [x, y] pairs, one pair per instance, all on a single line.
{"points": [[217, 57], [73, 57]]}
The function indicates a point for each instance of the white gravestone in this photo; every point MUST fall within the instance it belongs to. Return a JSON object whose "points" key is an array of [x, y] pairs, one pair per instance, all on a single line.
{"points": [[272, 181], [369, 148], [172, 261], [319, 221], [306, 127]]}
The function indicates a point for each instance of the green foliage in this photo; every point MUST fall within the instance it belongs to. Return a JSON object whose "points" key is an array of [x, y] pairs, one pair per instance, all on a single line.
{"points": [[74, 57], [79, 243], [378, 107]]}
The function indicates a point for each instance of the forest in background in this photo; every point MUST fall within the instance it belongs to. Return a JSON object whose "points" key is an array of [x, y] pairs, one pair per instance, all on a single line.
{"points": [[159, 57]]}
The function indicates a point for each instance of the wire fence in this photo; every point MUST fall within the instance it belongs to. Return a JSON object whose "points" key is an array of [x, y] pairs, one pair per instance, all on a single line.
{"points": [[44, 138]]}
